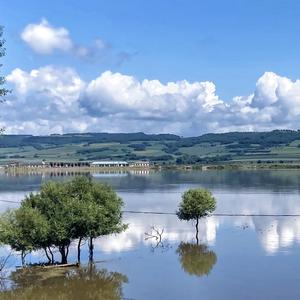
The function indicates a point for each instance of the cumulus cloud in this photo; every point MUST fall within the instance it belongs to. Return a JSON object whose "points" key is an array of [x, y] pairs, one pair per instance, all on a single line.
{"points": [[42, 99], [49, 99], [43, 38], [149, 99], [274, 104]]}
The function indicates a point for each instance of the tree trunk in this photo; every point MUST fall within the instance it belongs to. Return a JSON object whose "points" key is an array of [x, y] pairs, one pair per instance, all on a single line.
{"points": [[197, 230], [46, 252], [79, 250], [52, 256], [23, 254], [64, 256], [67, 252], [91, 249]]}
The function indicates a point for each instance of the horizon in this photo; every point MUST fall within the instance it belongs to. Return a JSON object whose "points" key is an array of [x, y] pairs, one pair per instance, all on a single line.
{"points": [[136, 132]]}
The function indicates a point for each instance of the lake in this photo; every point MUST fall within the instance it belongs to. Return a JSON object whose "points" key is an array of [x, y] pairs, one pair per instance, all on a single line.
{"points": [[237, 257]]}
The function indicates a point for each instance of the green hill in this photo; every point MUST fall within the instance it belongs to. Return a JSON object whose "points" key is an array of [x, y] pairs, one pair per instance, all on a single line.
{"points": [[277, 145]]}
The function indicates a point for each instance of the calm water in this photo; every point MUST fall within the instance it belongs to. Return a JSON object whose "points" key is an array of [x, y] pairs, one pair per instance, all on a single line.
{"points": [[237, 257]]}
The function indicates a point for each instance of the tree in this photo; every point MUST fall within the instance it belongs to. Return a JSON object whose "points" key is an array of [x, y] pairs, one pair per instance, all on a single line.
{"points": [[3, 91], [196, 259], [99, 210], [196, 204], [54, 203], [24, 229], [107, 219], [61, 213]]}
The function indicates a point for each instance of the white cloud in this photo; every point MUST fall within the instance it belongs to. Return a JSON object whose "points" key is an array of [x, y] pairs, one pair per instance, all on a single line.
{"points": [[275, 103], [44, 101], [43, 38], [50, 99], [149, 99]]}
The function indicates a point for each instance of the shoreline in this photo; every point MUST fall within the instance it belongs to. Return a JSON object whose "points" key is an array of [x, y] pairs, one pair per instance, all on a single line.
{"points": [[208, 167]]}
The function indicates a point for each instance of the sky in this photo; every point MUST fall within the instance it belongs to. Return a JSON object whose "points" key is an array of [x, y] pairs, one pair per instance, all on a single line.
{"points": [[183, 66]]}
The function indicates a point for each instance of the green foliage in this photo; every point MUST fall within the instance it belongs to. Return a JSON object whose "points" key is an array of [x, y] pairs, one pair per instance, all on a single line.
{"points": [[195, 204], [60, 213], [96, 206], [54, 203], [196, 259], [23, 229]]}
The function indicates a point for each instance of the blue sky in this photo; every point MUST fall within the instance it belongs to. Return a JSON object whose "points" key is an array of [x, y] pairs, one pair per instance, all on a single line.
{"points": [[231, 44]]}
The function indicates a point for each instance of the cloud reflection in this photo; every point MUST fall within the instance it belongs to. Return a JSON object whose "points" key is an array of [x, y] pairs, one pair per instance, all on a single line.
{"points": [[174, 231], [241, 192]]}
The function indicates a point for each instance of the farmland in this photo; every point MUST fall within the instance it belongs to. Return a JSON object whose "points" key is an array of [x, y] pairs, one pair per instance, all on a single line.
{"points": [[275, 146]]}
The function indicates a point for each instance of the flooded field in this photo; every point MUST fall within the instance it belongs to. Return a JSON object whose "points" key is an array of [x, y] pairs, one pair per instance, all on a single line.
{"points": [[237, 257]]}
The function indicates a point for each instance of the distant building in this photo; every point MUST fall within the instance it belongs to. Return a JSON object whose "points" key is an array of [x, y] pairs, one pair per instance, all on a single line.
{"points": [[140, 164], [66, 164], [81, 164], [109, 164]]}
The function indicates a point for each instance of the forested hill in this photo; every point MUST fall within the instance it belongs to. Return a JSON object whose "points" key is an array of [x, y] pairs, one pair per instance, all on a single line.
{"points": [[273, 145], [77, 138], [275, 137], [262, 138]]}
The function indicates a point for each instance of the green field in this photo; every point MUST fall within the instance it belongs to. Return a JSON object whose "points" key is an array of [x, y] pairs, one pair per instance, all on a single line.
{"points": [[211, 148]]}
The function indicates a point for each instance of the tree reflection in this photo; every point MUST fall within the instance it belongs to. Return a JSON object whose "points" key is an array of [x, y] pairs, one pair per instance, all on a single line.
{"points": [[77, 283], [196, 259]]}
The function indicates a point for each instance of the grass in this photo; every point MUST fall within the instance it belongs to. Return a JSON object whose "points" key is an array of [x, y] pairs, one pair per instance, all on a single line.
{"points": [[204, 149], [154, 150]]}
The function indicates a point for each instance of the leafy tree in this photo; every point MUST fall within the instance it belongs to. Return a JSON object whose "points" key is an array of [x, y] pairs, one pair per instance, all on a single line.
{"points": [[196, 204], [24, 229], [61, 213], [54, 203], [100, 210], [196, 259], [108, 218]]}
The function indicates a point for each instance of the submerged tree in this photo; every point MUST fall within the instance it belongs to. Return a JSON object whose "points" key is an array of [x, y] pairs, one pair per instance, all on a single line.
{"points": [[97, 210], [24, 229], [107, 219], [196, 259], [196, 204], [54, 203], [61, 213]]}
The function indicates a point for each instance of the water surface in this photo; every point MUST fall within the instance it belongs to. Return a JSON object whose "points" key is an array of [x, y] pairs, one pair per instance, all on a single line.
{"points": [[236, 258]]}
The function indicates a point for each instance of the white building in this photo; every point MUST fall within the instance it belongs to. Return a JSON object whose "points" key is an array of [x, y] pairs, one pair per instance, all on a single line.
{"points": [[109, 164], [140, 164]]}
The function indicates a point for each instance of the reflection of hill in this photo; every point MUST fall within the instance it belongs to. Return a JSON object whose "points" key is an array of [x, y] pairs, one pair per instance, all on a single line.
{"points": [[268, 180], [196, 259], [75, 284]]}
